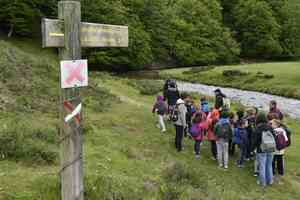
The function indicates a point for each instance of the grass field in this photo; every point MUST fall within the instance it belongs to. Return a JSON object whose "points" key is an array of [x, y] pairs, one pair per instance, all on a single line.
{"points": [[125, 155], [284, 83]]}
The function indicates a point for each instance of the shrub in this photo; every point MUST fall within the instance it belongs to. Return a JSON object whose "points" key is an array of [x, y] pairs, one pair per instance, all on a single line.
{"points": [[195, 70], [264, 76], [19, 141], [98, 98], [147, 87], [234, 72]]}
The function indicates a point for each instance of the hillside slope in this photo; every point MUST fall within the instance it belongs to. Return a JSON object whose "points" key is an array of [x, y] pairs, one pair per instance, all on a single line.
{"points": [[125, 156]]}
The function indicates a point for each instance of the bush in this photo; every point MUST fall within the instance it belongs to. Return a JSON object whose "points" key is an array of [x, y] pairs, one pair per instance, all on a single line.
{"points": [[19, 141], [98, 98], [234, 72], [264, 76], [147, 87], [195, 70]]}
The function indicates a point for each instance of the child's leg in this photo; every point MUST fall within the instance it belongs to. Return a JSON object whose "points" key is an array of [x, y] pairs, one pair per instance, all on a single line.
{"points": [[225, 154], [280, 165], [274, 164], [220, 153], [161, 122], [214, 148], [197, 147]]}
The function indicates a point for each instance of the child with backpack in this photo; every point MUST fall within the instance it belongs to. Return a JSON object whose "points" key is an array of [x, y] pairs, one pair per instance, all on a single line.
{"points": [[223, 131], [161, 109], [282, 142], [242, 134], [199, 126]]}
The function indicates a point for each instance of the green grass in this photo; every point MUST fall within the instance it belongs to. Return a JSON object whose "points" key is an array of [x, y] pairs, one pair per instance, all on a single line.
{"points": [[285, 81], [125, 155]]}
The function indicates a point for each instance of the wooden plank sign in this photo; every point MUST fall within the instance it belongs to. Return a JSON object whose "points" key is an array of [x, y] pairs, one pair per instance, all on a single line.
{"points": [[91, 34], [74, 73]]}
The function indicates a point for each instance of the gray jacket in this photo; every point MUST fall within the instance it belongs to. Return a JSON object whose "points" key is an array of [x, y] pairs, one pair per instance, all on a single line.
{"points": [[181, 113]]}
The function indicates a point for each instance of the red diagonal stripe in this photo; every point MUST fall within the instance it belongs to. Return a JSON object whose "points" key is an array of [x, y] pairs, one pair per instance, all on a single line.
{"points": [[70, 107]]}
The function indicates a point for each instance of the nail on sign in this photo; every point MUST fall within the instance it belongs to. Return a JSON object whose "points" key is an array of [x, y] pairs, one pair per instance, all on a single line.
{"points": [[74, 73]]}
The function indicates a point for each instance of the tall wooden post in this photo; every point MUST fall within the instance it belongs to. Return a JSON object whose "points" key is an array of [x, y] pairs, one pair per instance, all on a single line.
{"points": [[71, 143], [70, 34]]}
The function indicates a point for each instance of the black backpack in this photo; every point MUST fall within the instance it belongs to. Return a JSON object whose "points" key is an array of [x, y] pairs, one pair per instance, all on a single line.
{"points": [[223, 130], [175, 114]]}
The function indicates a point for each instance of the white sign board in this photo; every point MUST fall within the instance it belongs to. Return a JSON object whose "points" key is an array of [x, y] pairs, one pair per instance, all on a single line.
{"points": [[74, 73]]}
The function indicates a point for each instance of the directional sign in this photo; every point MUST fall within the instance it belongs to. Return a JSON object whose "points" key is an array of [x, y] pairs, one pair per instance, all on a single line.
{"points": [[91, 35], [74, 73]]}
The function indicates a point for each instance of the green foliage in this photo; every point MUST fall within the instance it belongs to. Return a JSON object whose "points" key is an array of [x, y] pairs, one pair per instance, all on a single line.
{"points": [[20, 16], [147, 87], [21, 142], [258, 30], [234, 72]]}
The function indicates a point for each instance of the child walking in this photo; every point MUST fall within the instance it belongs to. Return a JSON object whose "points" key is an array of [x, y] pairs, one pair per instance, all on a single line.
{"points": [[199, 126], [160, 107]]}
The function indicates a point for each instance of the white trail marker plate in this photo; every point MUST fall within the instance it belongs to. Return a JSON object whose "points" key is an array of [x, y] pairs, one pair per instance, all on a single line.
{"points": [[74, 73]]}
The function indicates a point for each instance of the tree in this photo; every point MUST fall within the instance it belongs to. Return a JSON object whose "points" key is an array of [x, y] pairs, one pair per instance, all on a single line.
{"points": [[257, 29]]}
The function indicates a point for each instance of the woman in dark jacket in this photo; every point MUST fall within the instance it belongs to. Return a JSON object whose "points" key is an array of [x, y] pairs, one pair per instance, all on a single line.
{"points": [[264, 157]]}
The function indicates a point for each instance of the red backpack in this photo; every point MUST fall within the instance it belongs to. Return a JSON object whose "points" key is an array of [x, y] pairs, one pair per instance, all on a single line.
{"points": [[281, 140]]}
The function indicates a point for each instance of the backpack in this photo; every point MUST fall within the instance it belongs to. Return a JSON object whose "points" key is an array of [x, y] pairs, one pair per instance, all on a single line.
{"points": [[161, 108], [281, 141], [226, 102], [289, 135], [223, 130], [195, 131], [175, 114], [268, 143]]}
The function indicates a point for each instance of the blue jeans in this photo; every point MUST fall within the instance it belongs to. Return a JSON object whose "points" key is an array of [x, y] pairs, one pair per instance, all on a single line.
{"points": [[197, 147], [265, 168]]}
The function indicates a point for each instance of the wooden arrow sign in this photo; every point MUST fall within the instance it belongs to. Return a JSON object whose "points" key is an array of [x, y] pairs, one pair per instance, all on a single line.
{"points": [[91, 34]]}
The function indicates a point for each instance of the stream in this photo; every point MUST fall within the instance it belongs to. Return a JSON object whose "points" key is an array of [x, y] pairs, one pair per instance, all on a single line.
{"points": [[290, 107]]}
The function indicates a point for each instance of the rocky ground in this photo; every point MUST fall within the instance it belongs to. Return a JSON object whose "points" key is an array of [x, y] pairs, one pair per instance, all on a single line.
{"points": [[288, 106]]}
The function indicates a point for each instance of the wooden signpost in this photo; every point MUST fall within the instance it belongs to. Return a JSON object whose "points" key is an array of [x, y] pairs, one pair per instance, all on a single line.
{"points": [[69, 34]]}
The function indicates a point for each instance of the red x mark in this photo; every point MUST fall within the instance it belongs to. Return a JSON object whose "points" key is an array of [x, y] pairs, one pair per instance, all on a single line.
{"points": [[70, 107], [75, 73]]}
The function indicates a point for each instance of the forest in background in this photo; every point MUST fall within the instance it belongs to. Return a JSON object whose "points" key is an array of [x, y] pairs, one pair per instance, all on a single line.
{"points": [[174, 32]]}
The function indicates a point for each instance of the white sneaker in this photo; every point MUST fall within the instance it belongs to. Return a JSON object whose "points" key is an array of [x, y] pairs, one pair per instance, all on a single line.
{"points": [[163, 131], [225, 167]]}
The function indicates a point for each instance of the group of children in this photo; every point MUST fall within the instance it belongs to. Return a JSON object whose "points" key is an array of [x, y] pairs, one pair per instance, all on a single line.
{"points": [[260, 137]]}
